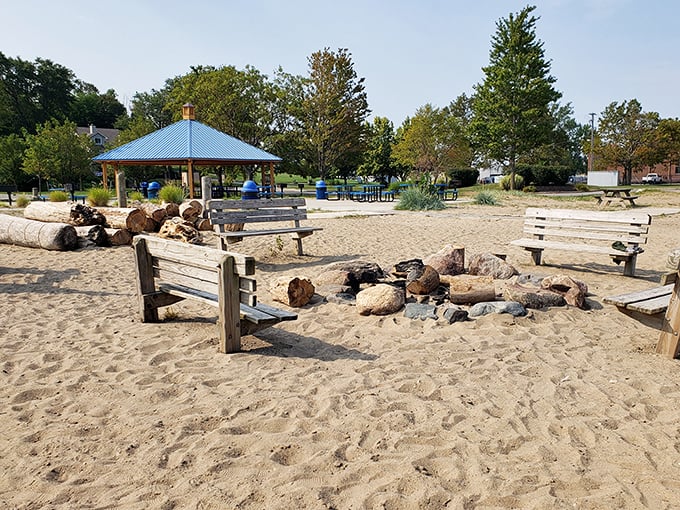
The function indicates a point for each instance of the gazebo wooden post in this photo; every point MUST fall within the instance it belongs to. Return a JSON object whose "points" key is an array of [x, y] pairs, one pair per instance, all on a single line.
{"points": [[272, 182], [190, 169], [115, 173], [104, 175]]}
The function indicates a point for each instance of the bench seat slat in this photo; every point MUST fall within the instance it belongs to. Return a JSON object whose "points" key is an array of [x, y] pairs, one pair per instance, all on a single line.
{"points": [[632, 218], [257, 215], [588, 226], [623, 300], [602, 236], [539, 245], [651, 306], [255, 204]]}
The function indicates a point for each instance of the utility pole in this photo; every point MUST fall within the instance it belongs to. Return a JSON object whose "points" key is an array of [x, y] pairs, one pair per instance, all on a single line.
{"points": [[591, 158]]}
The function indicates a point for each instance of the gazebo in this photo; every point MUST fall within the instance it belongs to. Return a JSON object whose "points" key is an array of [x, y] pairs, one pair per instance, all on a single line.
{"points": [[188, 143]]}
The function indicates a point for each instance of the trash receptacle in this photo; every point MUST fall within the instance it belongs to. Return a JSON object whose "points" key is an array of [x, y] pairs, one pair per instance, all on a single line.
{"points": [[153, 189], [249, 190], [321, 190]]}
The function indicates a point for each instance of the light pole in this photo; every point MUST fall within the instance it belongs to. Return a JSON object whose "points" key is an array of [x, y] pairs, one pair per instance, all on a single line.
{"points": [[591, 159]]}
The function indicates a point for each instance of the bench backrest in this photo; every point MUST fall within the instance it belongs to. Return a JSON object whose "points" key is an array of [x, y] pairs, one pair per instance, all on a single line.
{"points": [[198, 268], [225, 212], [629, 228]]}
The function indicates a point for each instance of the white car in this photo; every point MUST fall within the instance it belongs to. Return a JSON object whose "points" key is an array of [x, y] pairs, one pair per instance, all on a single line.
{"points": [[652, 179]]}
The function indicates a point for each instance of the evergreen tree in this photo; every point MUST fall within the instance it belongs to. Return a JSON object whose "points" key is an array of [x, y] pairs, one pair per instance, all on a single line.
{"points": [[512, 105]]}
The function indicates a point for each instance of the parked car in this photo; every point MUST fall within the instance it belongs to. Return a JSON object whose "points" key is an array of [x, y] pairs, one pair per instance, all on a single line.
{"points": [[578, 179], [652, 179]]}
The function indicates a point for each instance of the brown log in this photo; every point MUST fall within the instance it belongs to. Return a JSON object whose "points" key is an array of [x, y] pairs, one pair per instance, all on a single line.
{"points": [[119, 236], [293, 292], [131, 219], [37, 234], [92, 235], [151, 225], [172, 210], [470, 289], [191, 210], [203, 224], [154, 211]]}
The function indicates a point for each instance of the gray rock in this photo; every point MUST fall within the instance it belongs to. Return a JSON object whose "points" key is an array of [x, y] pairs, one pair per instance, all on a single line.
{"points": [[532, 297], [530, 279], [420, 311], [357, 272], [453, 313], [513, 308], [342, 298], [401, 269]]}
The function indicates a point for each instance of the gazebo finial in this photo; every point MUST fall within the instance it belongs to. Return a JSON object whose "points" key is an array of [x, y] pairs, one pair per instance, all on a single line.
{"points": [[188, 112]]}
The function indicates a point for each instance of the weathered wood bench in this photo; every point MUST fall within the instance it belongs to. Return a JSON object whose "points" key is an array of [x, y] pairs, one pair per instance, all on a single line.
{"points": [[9, 189], [661, 303], [170, 271], [223, 213], [586, 232]]}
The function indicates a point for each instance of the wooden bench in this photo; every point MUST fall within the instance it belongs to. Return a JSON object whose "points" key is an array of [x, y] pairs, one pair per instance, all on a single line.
{"points": [[661, 303], [586, 232], [9, 189], [170, 271], [239, 212]]}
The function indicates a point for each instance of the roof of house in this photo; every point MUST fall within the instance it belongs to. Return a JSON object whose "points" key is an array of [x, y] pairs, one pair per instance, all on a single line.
{"points": [[186, 140], [107, 133]]}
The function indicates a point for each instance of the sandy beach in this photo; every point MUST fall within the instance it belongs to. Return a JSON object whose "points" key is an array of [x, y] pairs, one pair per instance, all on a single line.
{"points": [[563, 408]]}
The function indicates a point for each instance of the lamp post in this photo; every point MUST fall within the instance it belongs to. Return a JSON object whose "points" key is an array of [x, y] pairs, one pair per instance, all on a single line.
{"points": [[591, 158]]}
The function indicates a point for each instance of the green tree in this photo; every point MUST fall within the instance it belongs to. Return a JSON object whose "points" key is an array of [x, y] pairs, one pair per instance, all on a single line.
{"points": [[418, 146], [627, 138], [377, 159], [152, 106], [512, 105], [334, 110], [56, 152], [12, 149], [668, 136], [102, 110]]}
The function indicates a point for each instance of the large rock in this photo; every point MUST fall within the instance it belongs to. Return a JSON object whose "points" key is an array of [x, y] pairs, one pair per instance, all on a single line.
{"points": [[513, 308], [490, 265], [403, 268], [573, 291], [180, 230], [335, 277], [422, 281], [358, 272], [381, 299], [293, 292], [450, 260], [532, 297]]}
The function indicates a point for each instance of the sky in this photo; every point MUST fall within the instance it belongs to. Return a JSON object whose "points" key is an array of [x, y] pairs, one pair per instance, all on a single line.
{"points": [[411, 53]]}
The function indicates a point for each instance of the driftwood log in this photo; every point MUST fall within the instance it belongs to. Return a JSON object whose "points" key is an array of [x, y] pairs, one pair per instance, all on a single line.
{"points": [[119, 236], [37, 234], [154, 211], [191, 210], [128, 218], [92, 235], [53, 212], [172, 210]]}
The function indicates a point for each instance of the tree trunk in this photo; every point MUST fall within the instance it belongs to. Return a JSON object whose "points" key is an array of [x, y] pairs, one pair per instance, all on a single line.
{"points": [[36, 234], [191, 210], [154, 211], [54, 212], [131, 219], [171, 209]]}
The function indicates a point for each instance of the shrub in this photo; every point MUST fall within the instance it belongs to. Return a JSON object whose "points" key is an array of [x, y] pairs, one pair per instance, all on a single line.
{"points": [[98, 197], [529, 189], [485, 198], [58, 196], [23, 201], [171, 194], [419, 199], [466, 176], [581, 187], [137, 196], [505, 182]]}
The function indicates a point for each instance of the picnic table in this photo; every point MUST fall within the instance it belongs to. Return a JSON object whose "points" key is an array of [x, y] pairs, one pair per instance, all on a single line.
{"points": [[616, 196]]}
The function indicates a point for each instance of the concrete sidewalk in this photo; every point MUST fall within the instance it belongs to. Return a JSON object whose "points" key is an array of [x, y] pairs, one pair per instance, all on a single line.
{"points": [[337, 208]]}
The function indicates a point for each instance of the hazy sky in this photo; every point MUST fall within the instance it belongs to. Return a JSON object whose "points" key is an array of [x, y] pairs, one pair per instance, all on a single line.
{"points": [[411, 53]]}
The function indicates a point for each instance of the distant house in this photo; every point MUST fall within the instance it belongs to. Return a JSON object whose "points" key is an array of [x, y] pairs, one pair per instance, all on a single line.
{"points": [[100, 136]]}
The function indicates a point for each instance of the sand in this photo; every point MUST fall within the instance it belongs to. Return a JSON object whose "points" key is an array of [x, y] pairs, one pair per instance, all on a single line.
{"points": [[563, 408]]}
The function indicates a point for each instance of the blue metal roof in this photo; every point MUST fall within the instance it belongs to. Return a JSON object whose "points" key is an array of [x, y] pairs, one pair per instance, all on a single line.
{"points": [[184, 140]]}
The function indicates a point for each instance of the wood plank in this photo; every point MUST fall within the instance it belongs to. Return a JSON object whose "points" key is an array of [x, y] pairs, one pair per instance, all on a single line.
{"points": [[577, 234], [633, 218], [669, 339], [651, 306], [255, 204], [537, 244], [250, 233], [623, 300], [588, 225], [256, 216], [229, 308], [144, 282], [277, 312]]}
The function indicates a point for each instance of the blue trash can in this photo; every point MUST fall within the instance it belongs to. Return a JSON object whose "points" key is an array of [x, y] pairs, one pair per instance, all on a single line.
{"points": [[153, 189], [321, 190], [249, 190]]}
